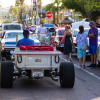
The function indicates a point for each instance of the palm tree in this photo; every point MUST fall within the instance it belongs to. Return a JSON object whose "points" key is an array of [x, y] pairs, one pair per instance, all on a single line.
{"points": [[51, 7], [20, 3]]}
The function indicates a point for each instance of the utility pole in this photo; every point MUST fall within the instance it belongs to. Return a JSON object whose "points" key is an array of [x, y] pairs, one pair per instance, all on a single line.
{"points": [[40, 9], [31, 12], [27, 14]]}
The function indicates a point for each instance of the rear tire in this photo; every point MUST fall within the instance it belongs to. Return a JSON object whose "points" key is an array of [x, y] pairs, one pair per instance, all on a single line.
{"points": [[6, 74], [67, 74]]}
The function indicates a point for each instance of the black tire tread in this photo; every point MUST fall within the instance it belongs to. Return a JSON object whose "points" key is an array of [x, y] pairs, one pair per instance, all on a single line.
{"points": [[6, 74], [67, 74]]}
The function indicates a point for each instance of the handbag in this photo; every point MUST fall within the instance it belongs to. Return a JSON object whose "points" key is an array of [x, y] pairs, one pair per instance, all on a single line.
{"points": [[84, 48]]}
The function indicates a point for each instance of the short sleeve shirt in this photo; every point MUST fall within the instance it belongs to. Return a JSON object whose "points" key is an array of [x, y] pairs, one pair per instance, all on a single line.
{"points": [[93, 41], [42, 30], [25, 41]]}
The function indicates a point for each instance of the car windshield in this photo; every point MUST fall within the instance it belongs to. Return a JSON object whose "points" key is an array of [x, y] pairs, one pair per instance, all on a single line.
{"points": [[52, 29], [61, 32], [12, 27], [20, 36]]}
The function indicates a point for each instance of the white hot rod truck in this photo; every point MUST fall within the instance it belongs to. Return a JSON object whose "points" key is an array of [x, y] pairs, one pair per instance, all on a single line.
{"points": [[36, 62]]}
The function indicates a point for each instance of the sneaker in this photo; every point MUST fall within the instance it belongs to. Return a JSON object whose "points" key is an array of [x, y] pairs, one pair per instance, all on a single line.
{"points": [[84, 66], [90, 65], [80, 66], [94, 65], [70, 59]]}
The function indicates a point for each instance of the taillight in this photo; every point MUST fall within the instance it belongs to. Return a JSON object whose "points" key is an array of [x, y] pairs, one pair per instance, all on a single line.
{"points": [[2, 46]]}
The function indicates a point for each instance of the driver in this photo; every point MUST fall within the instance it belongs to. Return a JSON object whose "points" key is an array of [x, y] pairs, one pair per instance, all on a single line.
{"points": [[25, 40]]}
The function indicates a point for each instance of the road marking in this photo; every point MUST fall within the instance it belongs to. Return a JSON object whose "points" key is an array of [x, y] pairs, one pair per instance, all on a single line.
{"points": [[82, 69]]}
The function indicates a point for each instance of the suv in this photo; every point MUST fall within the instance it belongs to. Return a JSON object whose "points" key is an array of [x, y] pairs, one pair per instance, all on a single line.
{"points": [[9, 27]]}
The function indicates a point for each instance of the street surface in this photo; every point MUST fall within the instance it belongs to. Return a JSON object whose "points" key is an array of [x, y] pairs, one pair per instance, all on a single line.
{"points": [[87, 86]]}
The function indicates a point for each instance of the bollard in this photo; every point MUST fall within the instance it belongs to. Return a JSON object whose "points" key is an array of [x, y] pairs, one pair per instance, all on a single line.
{"points": [[16, 38]]}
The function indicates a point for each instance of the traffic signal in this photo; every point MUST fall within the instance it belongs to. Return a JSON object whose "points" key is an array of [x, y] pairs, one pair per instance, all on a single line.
{"points": [[5, 15]]}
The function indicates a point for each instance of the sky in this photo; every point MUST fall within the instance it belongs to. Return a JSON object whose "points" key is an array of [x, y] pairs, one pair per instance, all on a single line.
{"points": [[8, 3]]}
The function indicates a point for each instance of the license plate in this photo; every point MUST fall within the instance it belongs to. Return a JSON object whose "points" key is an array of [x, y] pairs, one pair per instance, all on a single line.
{"points": [[37, 73]]}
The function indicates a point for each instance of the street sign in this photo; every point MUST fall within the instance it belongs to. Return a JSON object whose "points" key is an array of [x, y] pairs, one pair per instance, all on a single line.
{"points": [[48, 15]]}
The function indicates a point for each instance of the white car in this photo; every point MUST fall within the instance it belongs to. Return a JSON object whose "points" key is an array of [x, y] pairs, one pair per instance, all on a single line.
{"points": [[37, 62], [86, 31], [8, 42], [9, 27]]}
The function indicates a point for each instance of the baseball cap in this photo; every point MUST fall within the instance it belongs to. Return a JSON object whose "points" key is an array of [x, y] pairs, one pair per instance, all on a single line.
{"points": [[26, 32], [91, 23]]}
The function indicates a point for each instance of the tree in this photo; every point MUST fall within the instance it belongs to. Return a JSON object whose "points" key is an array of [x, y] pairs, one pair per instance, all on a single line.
{"points": [[43, 20], [15, 11], [51, 7], [7, 21], [88, 8], [19, 3]]}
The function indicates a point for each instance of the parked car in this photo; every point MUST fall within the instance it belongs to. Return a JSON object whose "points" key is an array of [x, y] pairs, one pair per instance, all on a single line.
{"points": [[37, 62], [48, 25], [76, 25], [57, 37], [86, 31], [8, 43], [9, 27]]}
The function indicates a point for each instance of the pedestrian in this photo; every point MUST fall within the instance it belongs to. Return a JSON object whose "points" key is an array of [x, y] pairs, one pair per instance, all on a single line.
{"points": [[93, 42], [81, 40], [33, 28], [23, 27], [68, 44], [42, 33]]}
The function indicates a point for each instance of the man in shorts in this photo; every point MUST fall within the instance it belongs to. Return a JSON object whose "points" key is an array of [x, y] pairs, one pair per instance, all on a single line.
{"points": [[93, 42], [42, 33]]}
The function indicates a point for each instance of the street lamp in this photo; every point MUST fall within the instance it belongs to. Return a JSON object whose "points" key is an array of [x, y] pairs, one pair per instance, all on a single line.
{"points": [[71, 12]]}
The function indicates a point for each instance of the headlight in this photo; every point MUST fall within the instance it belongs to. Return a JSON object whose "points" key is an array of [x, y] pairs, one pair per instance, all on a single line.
{"points": [[19, 58]]}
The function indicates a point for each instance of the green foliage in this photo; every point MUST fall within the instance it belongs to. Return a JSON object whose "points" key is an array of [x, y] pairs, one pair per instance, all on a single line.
{"points": [[7, 21], [50, 7], [88, 8], [43, 20], [15, 11]]}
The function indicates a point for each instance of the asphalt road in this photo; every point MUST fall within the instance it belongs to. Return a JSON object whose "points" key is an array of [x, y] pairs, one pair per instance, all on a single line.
{"points": [[87, 87]]}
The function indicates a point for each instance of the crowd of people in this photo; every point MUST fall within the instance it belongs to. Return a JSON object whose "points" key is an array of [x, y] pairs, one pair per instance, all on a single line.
{"points": [[30, 28], [81, 40], [82, 44]]}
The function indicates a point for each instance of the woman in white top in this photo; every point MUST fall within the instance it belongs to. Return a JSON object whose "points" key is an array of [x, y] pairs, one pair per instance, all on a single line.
{"points": [[81, 40]]}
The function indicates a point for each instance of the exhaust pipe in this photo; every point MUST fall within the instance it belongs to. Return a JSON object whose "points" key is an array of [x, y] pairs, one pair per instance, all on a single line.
{"points": [[53, 73], [55, 79]]}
